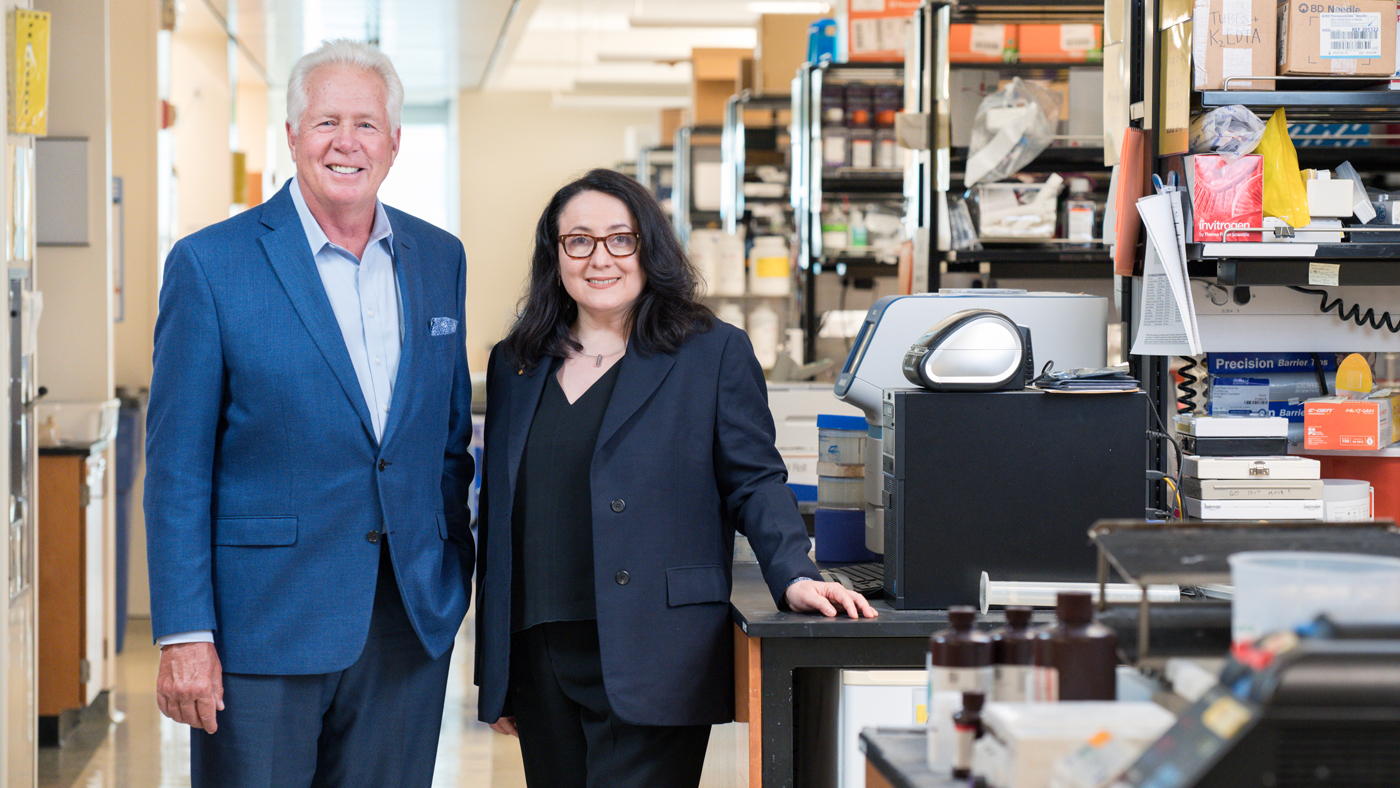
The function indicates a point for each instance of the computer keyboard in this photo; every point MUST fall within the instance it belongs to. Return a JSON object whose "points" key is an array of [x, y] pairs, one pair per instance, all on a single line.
{"points": [[868, 580]]}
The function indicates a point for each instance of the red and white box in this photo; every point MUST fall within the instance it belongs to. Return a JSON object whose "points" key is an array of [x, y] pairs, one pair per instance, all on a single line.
{"points": [[1225, 196], [1339, 423]]}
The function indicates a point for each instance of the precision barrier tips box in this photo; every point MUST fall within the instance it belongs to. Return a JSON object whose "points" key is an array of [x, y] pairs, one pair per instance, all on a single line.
{"points": [[1350, 38]]}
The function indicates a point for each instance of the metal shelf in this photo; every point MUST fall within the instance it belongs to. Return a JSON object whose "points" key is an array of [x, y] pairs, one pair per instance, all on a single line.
{"points": [[856, 268], [1052, 159], [1032, 254], [1319, 106], [861, 183]]}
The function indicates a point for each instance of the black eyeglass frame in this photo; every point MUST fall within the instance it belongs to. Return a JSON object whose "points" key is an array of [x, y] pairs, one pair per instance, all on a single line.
{"points": [[636, 237]]}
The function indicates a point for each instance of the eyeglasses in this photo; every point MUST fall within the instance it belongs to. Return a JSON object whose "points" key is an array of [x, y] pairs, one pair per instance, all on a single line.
{"points": [[580, 246]]}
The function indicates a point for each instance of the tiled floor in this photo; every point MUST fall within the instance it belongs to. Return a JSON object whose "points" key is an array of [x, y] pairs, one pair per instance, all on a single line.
{"points": [[142, 749]]}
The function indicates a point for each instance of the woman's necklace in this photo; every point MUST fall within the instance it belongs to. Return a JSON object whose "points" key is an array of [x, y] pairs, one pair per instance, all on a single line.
{"points": [[598, 357]]}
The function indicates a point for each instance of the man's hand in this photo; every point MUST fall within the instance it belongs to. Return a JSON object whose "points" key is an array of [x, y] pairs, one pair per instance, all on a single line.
{"points": [[505, 726], [815, 596], [190, 684]]}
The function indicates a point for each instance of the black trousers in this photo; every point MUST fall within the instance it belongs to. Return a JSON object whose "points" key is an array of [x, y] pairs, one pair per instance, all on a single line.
{"points": [[569, 735]]}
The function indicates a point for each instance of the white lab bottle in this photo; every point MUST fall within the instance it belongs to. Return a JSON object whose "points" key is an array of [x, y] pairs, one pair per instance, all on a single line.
{"points": [[729, 267], [704, 249], [860, 237], [1080, 211], [763, 333], [731, 313], [769, 268]]}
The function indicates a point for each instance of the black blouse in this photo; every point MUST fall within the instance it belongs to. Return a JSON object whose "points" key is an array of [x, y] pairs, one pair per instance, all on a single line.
{"points": [[552, 528]]}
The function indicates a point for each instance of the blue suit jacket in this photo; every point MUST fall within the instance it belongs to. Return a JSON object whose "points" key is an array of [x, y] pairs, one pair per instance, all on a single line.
{"points": [[263, 475], [684, 456]]}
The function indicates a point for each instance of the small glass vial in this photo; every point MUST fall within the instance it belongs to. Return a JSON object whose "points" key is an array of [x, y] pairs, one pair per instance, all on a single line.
{"points": [[967, 727]]}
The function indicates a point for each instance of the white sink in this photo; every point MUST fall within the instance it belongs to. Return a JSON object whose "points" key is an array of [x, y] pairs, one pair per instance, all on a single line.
{"points": [[76, 423]]}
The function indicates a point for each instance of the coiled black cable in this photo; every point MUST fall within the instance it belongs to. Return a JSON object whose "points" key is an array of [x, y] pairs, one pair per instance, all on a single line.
{"points": [[1354, 315], [1186, 389]]}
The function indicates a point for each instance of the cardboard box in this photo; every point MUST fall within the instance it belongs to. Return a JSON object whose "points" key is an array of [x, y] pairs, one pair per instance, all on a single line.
{"points": [[1328, 198], [669, 121], [1341, 424], [717, 63], [781, 51], [1059, 43], [984, 43], [1353, 37], [875, 30], [707, 98], [1234, 38]]}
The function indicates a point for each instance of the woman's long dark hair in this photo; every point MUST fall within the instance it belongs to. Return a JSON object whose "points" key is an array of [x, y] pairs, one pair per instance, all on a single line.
{"points": [[664, 314]]}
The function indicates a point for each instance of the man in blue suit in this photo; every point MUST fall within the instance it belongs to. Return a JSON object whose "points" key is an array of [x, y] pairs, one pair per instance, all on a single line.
{"points": [[308, 462]]}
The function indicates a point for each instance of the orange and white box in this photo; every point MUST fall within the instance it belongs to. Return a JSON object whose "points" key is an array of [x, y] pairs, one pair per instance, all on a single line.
{"points": [[1341, 424], [876, 30]]}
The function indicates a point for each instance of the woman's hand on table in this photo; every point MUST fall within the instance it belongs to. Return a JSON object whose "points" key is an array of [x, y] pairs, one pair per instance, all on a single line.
{"points": [[816, 596]]}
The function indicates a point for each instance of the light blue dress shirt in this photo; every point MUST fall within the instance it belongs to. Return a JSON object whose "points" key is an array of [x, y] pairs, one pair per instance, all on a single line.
{"points": [[364, 295]]}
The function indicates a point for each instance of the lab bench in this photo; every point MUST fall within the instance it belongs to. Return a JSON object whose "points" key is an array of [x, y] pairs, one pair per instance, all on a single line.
{"points": [[786, 663], [898, 758]]}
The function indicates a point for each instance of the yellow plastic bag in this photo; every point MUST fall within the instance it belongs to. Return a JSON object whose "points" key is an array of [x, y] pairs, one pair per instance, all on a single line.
{"points": [[1285, 196]]}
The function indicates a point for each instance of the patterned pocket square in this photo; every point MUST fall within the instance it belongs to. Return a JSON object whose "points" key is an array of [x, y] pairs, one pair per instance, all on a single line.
{"points": [[443, 326]]}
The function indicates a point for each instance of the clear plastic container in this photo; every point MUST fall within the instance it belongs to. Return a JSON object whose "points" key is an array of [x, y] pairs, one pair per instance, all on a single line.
{"points": [[834, 492], [841, 440], [1282, 590]]}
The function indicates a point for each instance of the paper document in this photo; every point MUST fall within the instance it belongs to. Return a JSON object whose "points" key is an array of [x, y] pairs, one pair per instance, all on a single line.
{"points": [[1166, 239], [1160, 330]]}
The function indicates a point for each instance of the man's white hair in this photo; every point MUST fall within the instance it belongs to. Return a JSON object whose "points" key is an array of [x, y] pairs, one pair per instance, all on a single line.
{"points": [[344, 52]]}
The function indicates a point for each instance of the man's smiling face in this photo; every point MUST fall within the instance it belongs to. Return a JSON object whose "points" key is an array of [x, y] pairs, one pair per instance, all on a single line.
{"points": [[342, 145]]}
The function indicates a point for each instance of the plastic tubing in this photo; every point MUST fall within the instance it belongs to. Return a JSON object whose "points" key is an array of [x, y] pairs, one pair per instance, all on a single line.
{"points": [[1004, 592]]}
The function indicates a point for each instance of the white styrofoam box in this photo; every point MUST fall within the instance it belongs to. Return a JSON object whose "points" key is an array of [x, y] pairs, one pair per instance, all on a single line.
{"points": [[795, 407], [1023, 741], [76, 423], [875, 698]]}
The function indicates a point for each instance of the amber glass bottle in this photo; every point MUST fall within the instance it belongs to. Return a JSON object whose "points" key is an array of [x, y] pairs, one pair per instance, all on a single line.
{"points": [[1013, 655], [1076, 658], [960, 657]]}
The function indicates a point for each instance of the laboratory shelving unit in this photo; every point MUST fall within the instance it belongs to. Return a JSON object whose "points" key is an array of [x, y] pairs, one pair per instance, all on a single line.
{"points": [[1355, 263], [814, 185], [938, 171], [694, 145]]}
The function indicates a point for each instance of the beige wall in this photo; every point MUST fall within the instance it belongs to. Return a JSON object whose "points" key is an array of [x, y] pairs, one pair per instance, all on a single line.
{"points": [[75, 334], [135, 123], [516, 152], [200, 92]]}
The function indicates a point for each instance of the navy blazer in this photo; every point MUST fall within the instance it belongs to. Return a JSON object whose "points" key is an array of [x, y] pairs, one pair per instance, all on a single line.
{"points": [[684, 457], [264, 480]]}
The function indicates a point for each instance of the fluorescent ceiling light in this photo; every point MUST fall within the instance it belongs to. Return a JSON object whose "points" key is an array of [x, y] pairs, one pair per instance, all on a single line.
{"points": [[664, 21], [789, 8], [630, 102]]}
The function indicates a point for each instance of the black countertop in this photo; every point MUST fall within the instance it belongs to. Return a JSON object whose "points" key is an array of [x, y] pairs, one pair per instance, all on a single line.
{"points": [[1185, 629], [74, 449], [900, 755]]}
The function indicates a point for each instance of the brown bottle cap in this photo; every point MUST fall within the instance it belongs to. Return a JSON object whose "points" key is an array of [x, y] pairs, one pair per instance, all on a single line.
{"points": [[1074, 607], [1018, 617], [972, 701], [961, 617]]}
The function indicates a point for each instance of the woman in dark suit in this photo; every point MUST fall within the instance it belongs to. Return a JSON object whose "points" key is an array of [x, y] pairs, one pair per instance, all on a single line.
{"points": [[627, 437]]}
